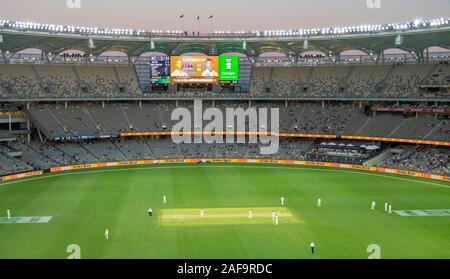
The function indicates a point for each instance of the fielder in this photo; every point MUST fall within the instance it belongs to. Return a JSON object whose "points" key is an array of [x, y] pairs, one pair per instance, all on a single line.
{"points": [[250, 214], [106, 234], [276, 220], [390, 209], [150, 212], [8, 213], [273, 215], [374, 204], [313, 246], [386, 206], [164, 199], [202, 213], [319, 203], [282, 201]]}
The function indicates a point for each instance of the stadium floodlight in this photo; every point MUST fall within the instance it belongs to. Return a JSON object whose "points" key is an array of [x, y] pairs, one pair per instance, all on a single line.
{"points": [[399, 40], [418, 22]]}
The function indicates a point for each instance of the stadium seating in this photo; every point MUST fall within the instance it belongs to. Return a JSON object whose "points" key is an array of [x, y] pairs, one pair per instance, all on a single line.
{"points": [[43, 156], [81, 120], [335, 118], [340, 81], [357, 81], [67, 81], [308, 118], [421, 158]]}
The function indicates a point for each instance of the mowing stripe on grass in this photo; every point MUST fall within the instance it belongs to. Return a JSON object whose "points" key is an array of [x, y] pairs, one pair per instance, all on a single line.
{"points": [[424, 213]]}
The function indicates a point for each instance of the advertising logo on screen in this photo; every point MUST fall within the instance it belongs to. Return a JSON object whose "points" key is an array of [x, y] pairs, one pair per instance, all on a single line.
{"points": [[194, 69], [228, 68]]}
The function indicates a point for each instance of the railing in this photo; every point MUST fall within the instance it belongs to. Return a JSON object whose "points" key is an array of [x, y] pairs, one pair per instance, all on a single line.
{"points": [[279, 61]]}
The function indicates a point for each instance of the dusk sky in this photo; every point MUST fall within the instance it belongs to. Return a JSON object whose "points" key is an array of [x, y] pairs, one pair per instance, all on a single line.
{"points": [[230, 15]]}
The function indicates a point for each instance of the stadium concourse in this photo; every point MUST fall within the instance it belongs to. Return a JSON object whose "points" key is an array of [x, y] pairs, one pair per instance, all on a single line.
{"points": [[70, 104]]}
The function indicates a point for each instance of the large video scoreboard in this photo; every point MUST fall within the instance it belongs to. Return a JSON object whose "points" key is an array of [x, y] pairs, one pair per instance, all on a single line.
{"points": [[228, 68], [160, 70], [194, 69]]}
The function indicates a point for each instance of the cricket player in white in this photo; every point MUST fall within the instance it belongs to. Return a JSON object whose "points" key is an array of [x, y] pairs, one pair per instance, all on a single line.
{"points": [[202, 213], [164, 199], [250, 214], [386, 206], [374, 204], [313, 246], [390, 209], [106, 234], [319, 202], [276, 220], [273, 215], [282, 201], [8, 213]]}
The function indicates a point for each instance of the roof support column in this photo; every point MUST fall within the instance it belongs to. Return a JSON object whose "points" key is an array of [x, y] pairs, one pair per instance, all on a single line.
{"points": [[28, 128], [4, 57], [9, 121], [293, 59], [420, 57], [7, 58], [382, 57], [50, 57], [252, 59]]}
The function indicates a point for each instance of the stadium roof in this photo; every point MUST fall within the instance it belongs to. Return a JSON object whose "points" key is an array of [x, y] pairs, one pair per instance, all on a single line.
{"points": [[411, 37]]}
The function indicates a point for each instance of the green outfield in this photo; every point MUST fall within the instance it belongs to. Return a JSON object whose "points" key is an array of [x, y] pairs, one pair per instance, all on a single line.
{"points": [[51, 212]]}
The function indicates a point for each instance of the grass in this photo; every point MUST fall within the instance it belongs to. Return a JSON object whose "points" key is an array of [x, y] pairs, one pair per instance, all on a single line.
{"points": [[82, 204]]}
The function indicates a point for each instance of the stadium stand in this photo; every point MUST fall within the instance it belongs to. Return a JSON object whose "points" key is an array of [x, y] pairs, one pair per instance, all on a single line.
{"points": [[421, 158], [73, 109], [310, 118], [43, 156], [67, 81], [395, 81], [355, 81]]}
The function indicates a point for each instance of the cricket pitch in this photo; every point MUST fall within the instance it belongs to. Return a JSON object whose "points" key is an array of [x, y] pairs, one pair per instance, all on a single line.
{"points": [[225, 216]]}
